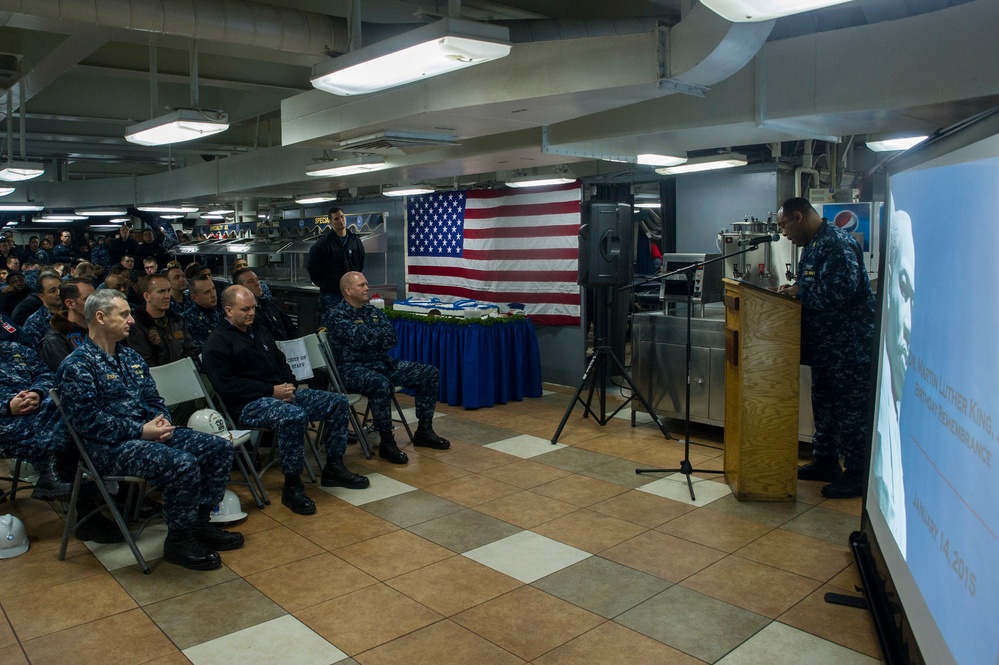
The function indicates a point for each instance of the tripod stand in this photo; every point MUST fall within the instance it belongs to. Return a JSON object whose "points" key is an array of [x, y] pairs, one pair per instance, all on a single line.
{"points": [[686, 468], [596, 373]]}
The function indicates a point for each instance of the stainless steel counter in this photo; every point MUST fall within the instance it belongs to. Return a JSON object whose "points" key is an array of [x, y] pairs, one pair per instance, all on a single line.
{"points": [[659, 352]]}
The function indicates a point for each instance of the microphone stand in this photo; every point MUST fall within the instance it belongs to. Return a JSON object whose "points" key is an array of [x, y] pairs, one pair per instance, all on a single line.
{"points": [[686, 468]]}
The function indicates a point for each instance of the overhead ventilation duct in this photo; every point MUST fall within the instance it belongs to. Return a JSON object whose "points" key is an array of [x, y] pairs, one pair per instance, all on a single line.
{"points": [[393, 142]]}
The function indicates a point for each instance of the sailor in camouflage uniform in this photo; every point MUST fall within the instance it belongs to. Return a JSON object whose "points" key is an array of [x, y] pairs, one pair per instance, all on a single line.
{"points": [[249, 371], [361, 336], [30, 429], [837, 331], [204, 316], [111, 399], [37, 324]]}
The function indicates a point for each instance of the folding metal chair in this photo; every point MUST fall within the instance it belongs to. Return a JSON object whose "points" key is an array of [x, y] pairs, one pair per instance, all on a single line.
{"points": [[17, 484], [87, 472], [320, 358], [326, 344], [180, 381]]}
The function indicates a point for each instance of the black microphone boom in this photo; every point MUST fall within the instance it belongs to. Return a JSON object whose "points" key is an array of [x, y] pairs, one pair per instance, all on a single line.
{"points": [[759, 240]]}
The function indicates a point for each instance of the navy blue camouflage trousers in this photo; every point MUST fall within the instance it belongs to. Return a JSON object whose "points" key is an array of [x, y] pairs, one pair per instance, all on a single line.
{"points": [[840, 403], [38, 438], [191, 468], [291, 419], [379, 386]]}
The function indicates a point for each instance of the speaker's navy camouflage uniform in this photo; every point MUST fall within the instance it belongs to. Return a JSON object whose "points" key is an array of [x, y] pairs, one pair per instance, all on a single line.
{"points": [[37, 436], [108, 399], [35, 327], [361, 338], [244, 367], [837, 331], [200, 323]]}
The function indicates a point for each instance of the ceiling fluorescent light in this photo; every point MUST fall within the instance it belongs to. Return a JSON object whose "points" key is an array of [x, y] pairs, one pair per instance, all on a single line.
{"points": [[407, 190], [4, 191], [20, 207], [55, 217], [647, 204], [173, 216], [343, 167], [177, 127], [890, 145], [169, 209], [650, 159], [436, 48], [309, 199], [102, 212], [18, 171], [102, 227], [710, 163], [539, 181], [747, 11]]}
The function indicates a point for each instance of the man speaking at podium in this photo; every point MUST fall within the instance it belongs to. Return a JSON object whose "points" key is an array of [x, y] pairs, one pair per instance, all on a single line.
{"points": [[837, 329]]}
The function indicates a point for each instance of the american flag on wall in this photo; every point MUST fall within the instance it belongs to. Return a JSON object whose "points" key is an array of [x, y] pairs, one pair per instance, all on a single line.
{"points": [[500, 246]]}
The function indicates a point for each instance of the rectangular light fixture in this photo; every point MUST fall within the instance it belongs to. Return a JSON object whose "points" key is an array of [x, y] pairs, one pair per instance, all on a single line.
{"points": [[651, 159], [891, 145], [102, 212], [430, 50], [20, 207], [748, 11], [4, 191], [311, 199], [176, 127], [539, 181], [182, 210], [727, 160], [342, 167], [18, 171], [407, 190]]}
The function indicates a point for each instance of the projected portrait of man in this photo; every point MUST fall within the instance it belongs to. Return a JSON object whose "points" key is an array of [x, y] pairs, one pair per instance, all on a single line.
{"points": [[900, 284]]}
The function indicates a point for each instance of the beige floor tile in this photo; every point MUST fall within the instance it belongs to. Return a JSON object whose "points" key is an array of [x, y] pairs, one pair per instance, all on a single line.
{"points": [[66, 605], [7, 637], [526, 509], [752, 586], [311, 581], [579, 490], [13, 655], [442, 642], [613, 644], [346, 526], [525, 474], [174, 658], [849, 626], [366, 618], [36, 571], [714, 529], [589, 530], [528, 622], [393, 554], [453, 585], [168, 581], [642, 508], [798, 554], [422, 471], [662, 555], [269, 549], [478, 459], [122, 639], [472, 490]]}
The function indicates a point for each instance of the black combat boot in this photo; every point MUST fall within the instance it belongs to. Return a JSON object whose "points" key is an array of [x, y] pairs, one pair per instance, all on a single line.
{"points": [[183, 549], [389, 451], [209, 535], [426, 437], [98, 528], [825, 469], [335, 474], [850, 484], [48, 487], [293, 495]]}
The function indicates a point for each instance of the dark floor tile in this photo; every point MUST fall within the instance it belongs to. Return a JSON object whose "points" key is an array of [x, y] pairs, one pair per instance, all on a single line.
{"points": [[573, 459], [411, 508], [601, 586], [820, 522], [464, 530]]}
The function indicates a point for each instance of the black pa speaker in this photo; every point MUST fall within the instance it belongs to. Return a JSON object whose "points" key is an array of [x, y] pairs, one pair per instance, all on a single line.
{"points": [[605, 244]]}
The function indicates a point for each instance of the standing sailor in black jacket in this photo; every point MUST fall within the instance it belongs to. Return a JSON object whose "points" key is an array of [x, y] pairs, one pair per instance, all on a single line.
{"points": [[338, 252]]}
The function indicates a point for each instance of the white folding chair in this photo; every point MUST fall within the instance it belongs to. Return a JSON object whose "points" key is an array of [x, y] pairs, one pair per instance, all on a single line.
{"points": [[320, 357], [326, 346], [87, 472], [180, 381]]}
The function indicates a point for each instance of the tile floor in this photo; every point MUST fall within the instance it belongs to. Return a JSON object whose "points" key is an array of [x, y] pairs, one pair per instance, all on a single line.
{"points": [[503, 549]]}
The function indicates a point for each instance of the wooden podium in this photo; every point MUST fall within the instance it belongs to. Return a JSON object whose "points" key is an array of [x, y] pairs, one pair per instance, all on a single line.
{"points": [[762, 355]]}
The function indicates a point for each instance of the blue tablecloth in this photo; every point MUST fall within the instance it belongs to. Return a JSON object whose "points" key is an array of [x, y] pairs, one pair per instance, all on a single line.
{"points": [[480, 365]]}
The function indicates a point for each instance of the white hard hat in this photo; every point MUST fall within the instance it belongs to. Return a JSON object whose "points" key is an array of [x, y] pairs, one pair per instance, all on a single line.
{"points": [[13, 538], [229, 509], [209, 421]]}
